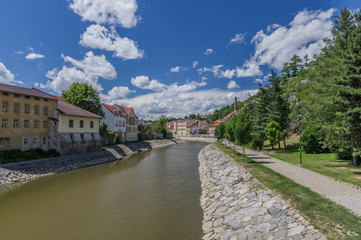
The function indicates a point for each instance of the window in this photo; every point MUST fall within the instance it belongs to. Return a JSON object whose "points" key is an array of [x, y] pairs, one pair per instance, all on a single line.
{"points": [[17, 95], [27, 108], [16, 123], [5, 106], [45, 140], [26, 141], [81, 124], [35, 141], [4, 123], [27, 97], [36, 109], [36, 123], [5, 94], [91, 124], [37, 98], [45, 124], [71, 123], [45, 110], [26, 123], [46, 100], [17, 107], [4, 142]]}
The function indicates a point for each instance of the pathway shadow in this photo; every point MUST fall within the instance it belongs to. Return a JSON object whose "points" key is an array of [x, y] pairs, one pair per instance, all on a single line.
{"points": [[261, 162]]}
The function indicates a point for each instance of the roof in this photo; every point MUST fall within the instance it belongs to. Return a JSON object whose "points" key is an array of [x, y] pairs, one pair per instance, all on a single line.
{"points": [[230, 114], [113, 109], [215, 123], [25, 91], [69, 109], [191, 124], [127, 110]]}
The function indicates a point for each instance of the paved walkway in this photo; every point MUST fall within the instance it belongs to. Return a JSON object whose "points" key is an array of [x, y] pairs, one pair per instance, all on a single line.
{"points": [[339, 192]]}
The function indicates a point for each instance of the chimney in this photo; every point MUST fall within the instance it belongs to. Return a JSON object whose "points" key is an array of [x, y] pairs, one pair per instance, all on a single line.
{"points": [[235, 103]]}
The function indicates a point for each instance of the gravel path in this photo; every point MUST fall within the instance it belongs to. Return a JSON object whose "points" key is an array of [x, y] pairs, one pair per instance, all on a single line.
{"points": [[342, 193]]}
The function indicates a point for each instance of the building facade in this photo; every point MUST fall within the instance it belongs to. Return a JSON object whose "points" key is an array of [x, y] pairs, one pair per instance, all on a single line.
{"points": [[115, 118], [131, 123], [25, 115]]}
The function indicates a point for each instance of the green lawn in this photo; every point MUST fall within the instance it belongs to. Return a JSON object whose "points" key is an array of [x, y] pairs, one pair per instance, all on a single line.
{"points": [[332, 220]]}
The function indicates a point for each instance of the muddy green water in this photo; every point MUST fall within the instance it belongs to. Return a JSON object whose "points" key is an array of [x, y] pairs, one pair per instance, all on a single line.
{"points": [[151, 195]]}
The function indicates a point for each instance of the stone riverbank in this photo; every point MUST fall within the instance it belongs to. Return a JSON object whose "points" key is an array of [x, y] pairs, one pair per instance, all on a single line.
{"points": [[237, 206], [196, 139], [27, 170]]}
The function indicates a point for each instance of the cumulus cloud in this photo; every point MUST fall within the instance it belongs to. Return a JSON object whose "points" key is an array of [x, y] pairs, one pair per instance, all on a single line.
{"points": [[115, 12], [209, 51], [181, 100], [6, 76], [116, 93], [303, 36], [33, 56], [238, 39], [195, 64], [232, 84], [177, 69], [99, 37], [249, 69], [19, 52], [144, 83], [88, 70]]}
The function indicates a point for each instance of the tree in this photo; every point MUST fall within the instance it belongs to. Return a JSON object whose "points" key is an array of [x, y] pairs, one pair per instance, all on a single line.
{"points": [[274, 133], [192, 116], [220, 130], [159, 125], [243, 130], [83, 95]]}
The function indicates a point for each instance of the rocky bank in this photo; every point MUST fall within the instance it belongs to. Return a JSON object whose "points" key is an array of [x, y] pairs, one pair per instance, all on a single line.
{"points": [[237, 206], [24, 171]]}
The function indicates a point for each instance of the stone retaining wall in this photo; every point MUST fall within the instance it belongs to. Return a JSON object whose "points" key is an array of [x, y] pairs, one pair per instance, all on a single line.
{"points": [[237, 206], [23, 171], [197, 139]]}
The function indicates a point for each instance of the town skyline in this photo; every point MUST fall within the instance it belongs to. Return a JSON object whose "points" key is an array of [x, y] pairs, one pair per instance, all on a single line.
{"points": [[160, 58]]}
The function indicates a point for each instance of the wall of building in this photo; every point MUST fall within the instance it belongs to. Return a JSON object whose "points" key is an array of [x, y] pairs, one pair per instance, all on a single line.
{"points": [[110, 119], [132, 127], [17, 135], [64, 124]]}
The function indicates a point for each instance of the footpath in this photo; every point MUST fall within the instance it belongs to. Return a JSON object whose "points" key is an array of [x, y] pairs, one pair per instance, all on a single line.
{"points": [[341, 193]]}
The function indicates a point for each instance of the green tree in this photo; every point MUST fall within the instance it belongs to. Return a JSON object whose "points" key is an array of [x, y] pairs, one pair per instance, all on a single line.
{"points": [[83, 95], [274, 133], [192, 116], [220, 130], [159, 125], [243, 130]]}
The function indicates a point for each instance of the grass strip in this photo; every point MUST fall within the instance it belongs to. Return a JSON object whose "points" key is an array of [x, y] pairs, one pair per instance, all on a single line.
{"points": [[331, 219]]}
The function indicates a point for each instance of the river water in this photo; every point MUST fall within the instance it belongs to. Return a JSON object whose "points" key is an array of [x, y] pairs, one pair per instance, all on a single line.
{"points": [[151, 195]]}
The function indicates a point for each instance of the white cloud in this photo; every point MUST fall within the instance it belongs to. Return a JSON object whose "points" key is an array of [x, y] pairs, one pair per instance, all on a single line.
{"points": [[181, 100], [33, 56], [144, 83], [19, 52], [195, 64], [30, 49], [232, 84], [178, 69], [273, 26], [303, 36], [238, 39], [116, 93], [6, 76], [87, 70], [99, 37], [249, 69], [115, 12], [209, 51]]}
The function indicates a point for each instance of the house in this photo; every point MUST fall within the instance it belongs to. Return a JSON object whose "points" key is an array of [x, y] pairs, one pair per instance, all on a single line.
{"points": [[131, 123], [115, 119], [213, 127], [24, 117], [192, 127], [170, 127], [180, 127], [202, 125], [75, 129]]}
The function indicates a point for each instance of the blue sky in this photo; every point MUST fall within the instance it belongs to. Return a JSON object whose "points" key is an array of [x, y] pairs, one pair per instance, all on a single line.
{"points": [[161, 57]]}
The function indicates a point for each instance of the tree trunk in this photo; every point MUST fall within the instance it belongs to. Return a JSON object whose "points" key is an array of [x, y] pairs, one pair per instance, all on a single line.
{"points": [[279, 146], [272, 146], [354, 161], [284, 143]]}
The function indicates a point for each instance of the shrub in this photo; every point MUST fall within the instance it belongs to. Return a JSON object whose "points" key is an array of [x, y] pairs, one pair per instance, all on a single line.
{"points": [[140, 136], [311, 140]]}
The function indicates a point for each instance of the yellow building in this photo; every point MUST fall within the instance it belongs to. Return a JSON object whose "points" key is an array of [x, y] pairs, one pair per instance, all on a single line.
{"points": [[24, 117]]}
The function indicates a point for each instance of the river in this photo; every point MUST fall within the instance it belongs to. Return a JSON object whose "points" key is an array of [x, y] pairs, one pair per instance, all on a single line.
{"points": [[151, 195]]}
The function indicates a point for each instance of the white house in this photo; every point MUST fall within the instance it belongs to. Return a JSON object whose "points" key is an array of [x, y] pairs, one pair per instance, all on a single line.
{"points": [[115, 118]]}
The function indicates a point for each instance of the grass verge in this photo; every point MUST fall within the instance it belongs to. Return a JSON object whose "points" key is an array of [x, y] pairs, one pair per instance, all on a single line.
{"points": [[332, 220]]}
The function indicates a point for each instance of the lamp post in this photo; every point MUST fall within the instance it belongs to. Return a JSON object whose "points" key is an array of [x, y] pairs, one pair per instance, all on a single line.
{"points": [[299, 118], [254, 137]]}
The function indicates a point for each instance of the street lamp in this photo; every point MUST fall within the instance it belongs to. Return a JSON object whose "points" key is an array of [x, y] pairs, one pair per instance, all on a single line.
{"points": [[254, 137], [299, 115]]}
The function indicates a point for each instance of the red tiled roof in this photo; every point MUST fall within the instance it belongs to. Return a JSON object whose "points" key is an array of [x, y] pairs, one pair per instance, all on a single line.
{"points": [[113, 109], [70, 109], [191, 124], [230, 114], [25, 91], [215, 123], [127, 110]]}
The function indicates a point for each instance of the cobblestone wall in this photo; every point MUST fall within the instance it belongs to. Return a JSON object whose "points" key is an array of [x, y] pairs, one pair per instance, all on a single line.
{"points": [[238, 206]]}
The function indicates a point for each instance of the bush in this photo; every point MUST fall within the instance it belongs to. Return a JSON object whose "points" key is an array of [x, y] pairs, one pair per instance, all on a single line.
{"points": [[311, 140], [220, 131], [16, 155], [140, 136], [202, 131]]}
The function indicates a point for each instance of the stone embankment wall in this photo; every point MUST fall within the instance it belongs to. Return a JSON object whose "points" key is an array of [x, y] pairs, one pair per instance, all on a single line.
{"points": [[237, 206], [23, 171], [197, 139]]}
